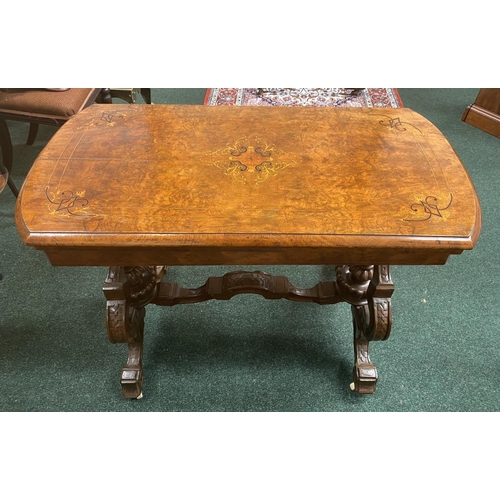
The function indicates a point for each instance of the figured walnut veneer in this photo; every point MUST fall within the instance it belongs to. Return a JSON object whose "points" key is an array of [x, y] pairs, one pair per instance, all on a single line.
{"points": [[138, 185], [135, 186]]}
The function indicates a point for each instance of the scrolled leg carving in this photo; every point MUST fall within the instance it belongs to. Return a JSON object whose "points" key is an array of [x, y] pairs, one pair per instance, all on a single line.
{"points": [[364, 372], [370, 301], [132, 375], [128, 290]]}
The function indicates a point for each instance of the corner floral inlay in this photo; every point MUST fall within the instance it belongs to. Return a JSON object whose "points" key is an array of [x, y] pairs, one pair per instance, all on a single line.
{"points": [[66, 202], [428, 208], [109, 118], [395, 123]]}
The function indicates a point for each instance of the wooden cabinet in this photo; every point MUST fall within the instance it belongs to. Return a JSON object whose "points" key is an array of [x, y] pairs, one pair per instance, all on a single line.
{"points": [[484, 113]]}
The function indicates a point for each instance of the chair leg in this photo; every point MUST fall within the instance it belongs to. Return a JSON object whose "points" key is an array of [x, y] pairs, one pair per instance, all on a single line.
{"points": [[32, 134], [7, 155], [12, 186], [6, 145], [146, 95], [105, 96]]}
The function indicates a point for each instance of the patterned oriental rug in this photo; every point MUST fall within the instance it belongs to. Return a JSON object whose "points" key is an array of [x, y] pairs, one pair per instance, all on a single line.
{"points": [[383, 98]]}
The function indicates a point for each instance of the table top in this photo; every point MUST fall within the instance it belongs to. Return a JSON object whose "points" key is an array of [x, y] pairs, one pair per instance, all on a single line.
{"points": [[123, 184]]}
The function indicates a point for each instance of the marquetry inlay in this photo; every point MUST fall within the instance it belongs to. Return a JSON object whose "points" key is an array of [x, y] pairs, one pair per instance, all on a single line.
{"points": [[251, 159], [64, 203]]}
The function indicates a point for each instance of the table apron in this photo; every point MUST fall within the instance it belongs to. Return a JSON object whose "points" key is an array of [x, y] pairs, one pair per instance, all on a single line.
{"points": [[209, 256]]}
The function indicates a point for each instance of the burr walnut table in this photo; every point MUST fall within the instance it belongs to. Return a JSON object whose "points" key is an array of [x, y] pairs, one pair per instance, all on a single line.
{"points": [[138, 188]]}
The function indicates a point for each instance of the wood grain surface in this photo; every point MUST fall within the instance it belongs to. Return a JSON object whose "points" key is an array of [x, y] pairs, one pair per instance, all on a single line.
{"points": [[183, 185]]}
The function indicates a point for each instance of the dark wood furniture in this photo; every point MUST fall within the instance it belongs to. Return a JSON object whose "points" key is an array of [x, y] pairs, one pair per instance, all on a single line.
{"points": [[484, 112], [130, 95], [138, 188]]}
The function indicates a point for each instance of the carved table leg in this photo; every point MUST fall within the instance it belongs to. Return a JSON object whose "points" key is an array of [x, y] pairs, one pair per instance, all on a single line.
{"points": [[132, 376], [128, 290], [364, 372], [368, 289]]}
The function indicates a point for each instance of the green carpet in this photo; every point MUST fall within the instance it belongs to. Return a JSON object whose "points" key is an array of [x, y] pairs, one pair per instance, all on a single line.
{"points": [[249, 354]]}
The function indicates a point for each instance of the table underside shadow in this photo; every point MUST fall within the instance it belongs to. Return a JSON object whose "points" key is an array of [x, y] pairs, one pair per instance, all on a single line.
{"points": [[367, 289]]}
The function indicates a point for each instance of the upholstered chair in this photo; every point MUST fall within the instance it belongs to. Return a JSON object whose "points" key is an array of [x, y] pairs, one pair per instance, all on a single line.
{"points": [[40, 106]]}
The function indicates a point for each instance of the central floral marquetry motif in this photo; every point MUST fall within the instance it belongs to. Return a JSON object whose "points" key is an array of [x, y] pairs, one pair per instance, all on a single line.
{"points": [[251, 159]]}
